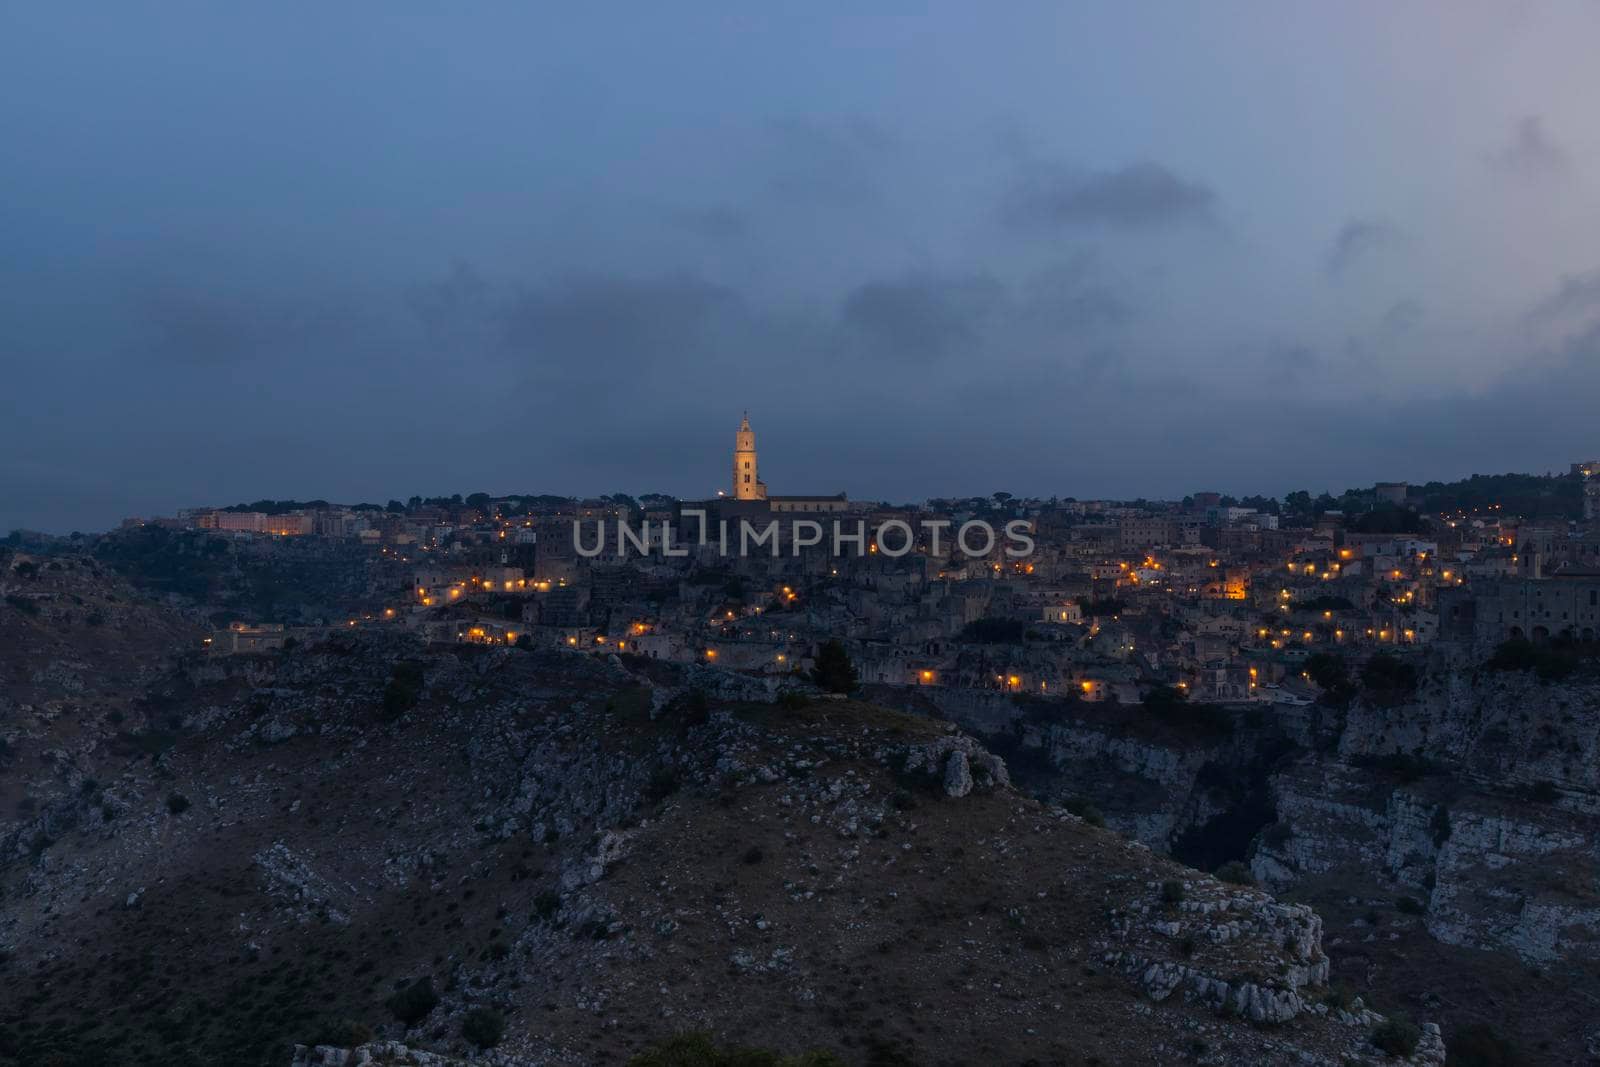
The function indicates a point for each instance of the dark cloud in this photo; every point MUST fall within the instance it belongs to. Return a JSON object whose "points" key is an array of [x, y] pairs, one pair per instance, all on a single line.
{"points": [[453, 308], [1356, 242], [637, 223], [201, 327], [616, 326], [719, 223], [1072, 297], [1290, 364], [1531, 153], [922, 319], [1139, 196], [832, 164], [1578, 295], [1495, 428], [1401, 317]]}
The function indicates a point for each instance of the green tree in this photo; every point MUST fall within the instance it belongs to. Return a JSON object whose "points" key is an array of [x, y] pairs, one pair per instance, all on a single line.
{"points": [[833, 670], [413, 1003], [1386, 674], [1163, 700], [1330, 671], [483, 1027]]}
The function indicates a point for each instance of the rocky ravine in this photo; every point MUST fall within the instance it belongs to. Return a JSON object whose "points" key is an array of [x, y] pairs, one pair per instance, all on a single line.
{"points": [[599, 858], [1450, 838]]}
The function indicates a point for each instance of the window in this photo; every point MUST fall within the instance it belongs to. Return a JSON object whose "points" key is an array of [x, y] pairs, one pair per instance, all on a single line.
{"points": [[746, 479]]}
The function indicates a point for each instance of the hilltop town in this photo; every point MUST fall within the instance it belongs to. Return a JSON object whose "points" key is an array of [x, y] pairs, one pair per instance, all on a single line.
{"points": [[1313, 779], [1212, 599]]}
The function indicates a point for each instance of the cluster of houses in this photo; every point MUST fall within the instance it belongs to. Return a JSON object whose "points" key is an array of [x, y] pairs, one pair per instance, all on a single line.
{"points": [[1224, 602]]}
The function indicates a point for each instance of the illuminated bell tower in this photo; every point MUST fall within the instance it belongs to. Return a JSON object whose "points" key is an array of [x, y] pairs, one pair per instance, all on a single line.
{"points": [[747, 484]]}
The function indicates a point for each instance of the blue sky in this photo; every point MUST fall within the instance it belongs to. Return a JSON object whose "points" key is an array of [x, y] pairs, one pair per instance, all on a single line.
{"points": [[369, 250]]}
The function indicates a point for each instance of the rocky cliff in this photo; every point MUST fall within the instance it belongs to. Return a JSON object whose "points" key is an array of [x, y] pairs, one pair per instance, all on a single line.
{"points": [[1449, 834]]}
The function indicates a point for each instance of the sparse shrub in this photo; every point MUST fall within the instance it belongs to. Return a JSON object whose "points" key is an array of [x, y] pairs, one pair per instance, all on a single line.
{"points": [[404, 689], [1236, 872], [1340, 996], [752, 855], [1172, 891], [26, 605], [791, 700], [1440, 825], [546, 904], [177, 803], [1479, 1045], [698, 1050], [1277, 835], [880, 1053], [663, 783], [632, 703], [1187, 945], [689, 708], [343, 1033], [594, 930], [1396, 1036], [1408, 766], [1410, 906], [1085, 811], [1551, 663], [1389, 676], [1544, 793], [483, 1027], [1163, 700], [412, 1003]]}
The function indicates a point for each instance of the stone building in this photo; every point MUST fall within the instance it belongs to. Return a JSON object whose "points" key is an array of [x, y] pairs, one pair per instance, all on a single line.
{"points": [[1538, 610]]}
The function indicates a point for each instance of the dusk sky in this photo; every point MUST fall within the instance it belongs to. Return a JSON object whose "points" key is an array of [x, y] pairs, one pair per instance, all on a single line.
{"points": [[363, 251]]}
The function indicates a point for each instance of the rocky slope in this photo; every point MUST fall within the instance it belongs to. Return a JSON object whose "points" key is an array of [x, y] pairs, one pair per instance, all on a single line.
{"points": [[1449, 837], [591, 855]]}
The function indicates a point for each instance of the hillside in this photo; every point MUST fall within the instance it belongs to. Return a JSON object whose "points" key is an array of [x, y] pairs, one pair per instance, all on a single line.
{"points": [[1447, 838], [597, 855]]}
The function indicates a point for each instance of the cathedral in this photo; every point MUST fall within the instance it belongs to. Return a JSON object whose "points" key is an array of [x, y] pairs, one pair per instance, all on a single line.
{"points": [[747, 483], [748, 486]]}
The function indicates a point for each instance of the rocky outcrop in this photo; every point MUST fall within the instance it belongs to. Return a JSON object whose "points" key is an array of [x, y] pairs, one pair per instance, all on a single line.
{"points": [[1242, 953], [392, 1054], [1501, 728], [960, 763], [1487, 871]]}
